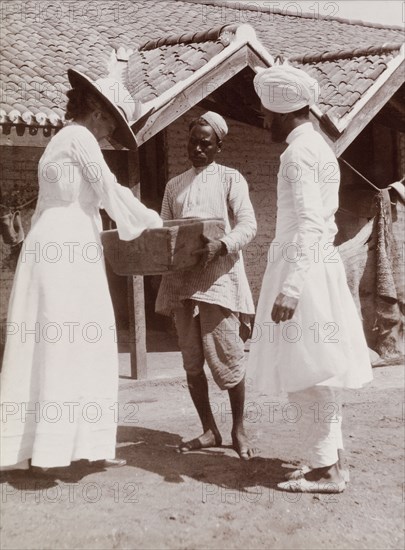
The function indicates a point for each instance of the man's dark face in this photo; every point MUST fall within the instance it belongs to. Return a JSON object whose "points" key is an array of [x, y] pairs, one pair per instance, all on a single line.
{"points": [[202, 145], [276, 124]]}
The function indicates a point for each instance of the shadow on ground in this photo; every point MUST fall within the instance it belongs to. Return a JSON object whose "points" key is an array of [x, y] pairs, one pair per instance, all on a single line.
{"points": [[30, 480], [156, 451]]}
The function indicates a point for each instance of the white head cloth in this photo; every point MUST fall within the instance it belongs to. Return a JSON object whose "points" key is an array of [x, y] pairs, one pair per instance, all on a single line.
{"points": [[284, 89], [217, 123]]}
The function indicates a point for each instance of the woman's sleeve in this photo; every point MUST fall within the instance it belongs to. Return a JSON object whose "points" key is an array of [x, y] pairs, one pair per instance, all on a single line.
{"points": [[130, 215], [298, 171]]}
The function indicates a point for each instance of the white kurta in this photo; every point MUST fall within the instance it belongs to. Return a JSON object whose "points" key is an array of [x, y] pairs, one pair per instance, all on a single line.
{"points": [[324, 342], [214, 191], [59, 383]]}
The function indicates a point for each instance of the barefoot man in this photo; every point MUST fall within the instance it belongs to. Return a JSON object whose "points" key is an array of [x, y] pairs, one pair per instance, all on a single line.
{"points": [[314, 343], [211, 304]]}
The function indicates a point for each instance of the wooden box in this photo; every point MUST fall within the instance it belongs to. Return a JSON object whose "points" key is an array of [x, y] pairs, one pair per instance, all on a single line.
{"points": [[158, 251]]}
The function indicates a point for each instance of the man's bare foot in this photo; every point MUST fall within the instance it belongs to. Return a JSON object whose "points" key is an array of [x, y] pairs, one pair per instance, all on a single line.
{"points": [[204, 441], [242, 445]]}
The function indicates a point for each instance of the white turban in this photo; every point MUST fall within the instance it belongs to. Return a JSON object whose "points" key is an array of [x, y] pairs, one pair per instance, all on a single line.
{"points": [[217, 123], [284, 89]]}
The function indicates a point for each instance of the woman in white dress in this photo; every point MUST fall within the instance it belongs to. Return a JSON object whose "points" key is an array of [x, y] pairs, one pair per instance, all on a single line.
{"points": [[59, 383]]}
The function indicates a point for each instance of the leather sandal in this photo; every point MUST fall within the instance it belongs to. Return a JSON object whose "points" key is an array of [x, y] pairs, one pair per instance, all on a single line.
{"points": [[300, 472], [302, 485]]}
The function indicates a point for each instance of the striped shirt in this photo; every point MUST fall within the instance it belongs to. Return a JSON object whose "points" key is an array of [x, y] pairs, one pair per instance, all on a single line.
{"points": [[214, 191]]}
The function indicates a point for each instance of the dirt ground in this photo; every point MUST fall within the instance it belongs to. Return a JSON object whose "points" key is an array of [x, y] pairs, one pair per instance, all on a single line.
{"points": [[211, 499]]}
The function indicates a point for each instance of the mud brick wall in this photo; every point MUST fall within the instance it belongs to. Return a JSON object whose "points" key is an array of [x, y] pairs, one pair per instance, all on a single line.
{"points": [[248, 149], [18, 173], [18, 184]]}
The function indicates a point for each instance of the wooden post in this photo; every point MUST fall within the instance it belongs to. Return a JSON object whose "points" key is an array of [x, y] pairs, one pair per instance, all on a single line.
{"points": [[136, 298], [137, 328]]}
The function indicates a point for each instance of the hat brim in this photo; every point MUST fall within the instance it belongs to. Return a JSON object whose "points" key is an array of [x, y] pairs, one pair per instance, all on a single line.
{"points": [[142, 120], [123, 133]]}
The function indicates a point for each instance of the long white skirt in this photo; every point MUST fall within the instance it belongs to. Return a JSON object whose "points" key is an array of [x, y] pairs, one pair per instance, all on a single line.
{"points": [[323, 343], [59, 383]]}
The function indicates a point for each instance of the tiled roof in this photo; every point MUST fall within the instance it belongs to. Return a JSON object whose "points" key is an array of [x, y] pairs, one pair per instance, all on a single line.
{"points": [[42, 39], [159, 64], [345, 76]]}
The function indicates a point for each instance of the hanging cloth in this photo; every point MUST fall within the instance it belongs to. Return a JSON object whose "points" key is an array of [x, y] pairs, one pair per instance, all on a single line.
{"points": [[11, 228]]}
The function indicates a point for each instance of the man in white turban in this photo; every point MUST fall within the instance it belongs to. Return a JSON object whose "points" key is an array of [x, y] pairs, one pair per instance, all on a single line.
{"points": [[316, 345], [212, 304], [285, 89]]}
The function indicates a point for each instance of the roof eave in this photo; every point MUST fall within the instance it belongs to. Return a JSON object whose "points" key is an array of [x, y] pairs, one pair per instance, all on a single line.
{"points": [[370, 104], [185, 94]]}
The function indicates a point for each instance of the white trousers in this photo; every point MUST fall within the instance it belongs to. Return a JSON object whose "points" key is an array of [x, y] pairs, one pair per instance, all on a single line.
{"points": [[319, 422]]}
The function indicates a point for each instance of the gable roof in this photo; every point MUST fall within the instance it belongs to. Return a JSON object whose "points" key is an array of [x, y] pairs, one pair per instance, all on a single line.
{"points": [[215, 66], [349, 59]]}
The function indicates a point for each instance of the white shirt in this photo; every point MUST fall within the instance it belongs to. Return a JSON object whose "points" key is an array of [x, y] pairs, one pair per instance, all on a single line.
{"points": [[307, 199], [211, 192]]}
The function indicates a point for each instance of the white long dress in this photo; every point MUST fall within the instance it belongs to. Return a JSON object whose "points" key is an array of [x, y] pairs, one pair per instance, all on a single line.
{"points": [[324, 342], [59, 383]]}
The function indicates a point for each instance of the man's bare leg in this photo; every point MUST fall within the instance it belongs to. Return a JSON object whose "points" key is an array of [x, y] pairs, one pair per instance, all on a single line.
{"points": [[198, 387], [240, 440]]}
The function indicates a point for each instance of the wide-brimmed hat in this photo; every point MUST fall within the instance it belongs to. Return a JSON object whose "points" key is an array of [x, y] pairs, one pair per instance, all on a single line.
{"points": [[118, 102]]}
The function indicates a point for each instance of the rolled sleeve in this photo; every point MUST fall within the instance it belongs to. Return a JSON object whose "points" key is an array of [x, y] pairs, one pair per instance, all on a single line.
{"points": [[241, 207]]}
